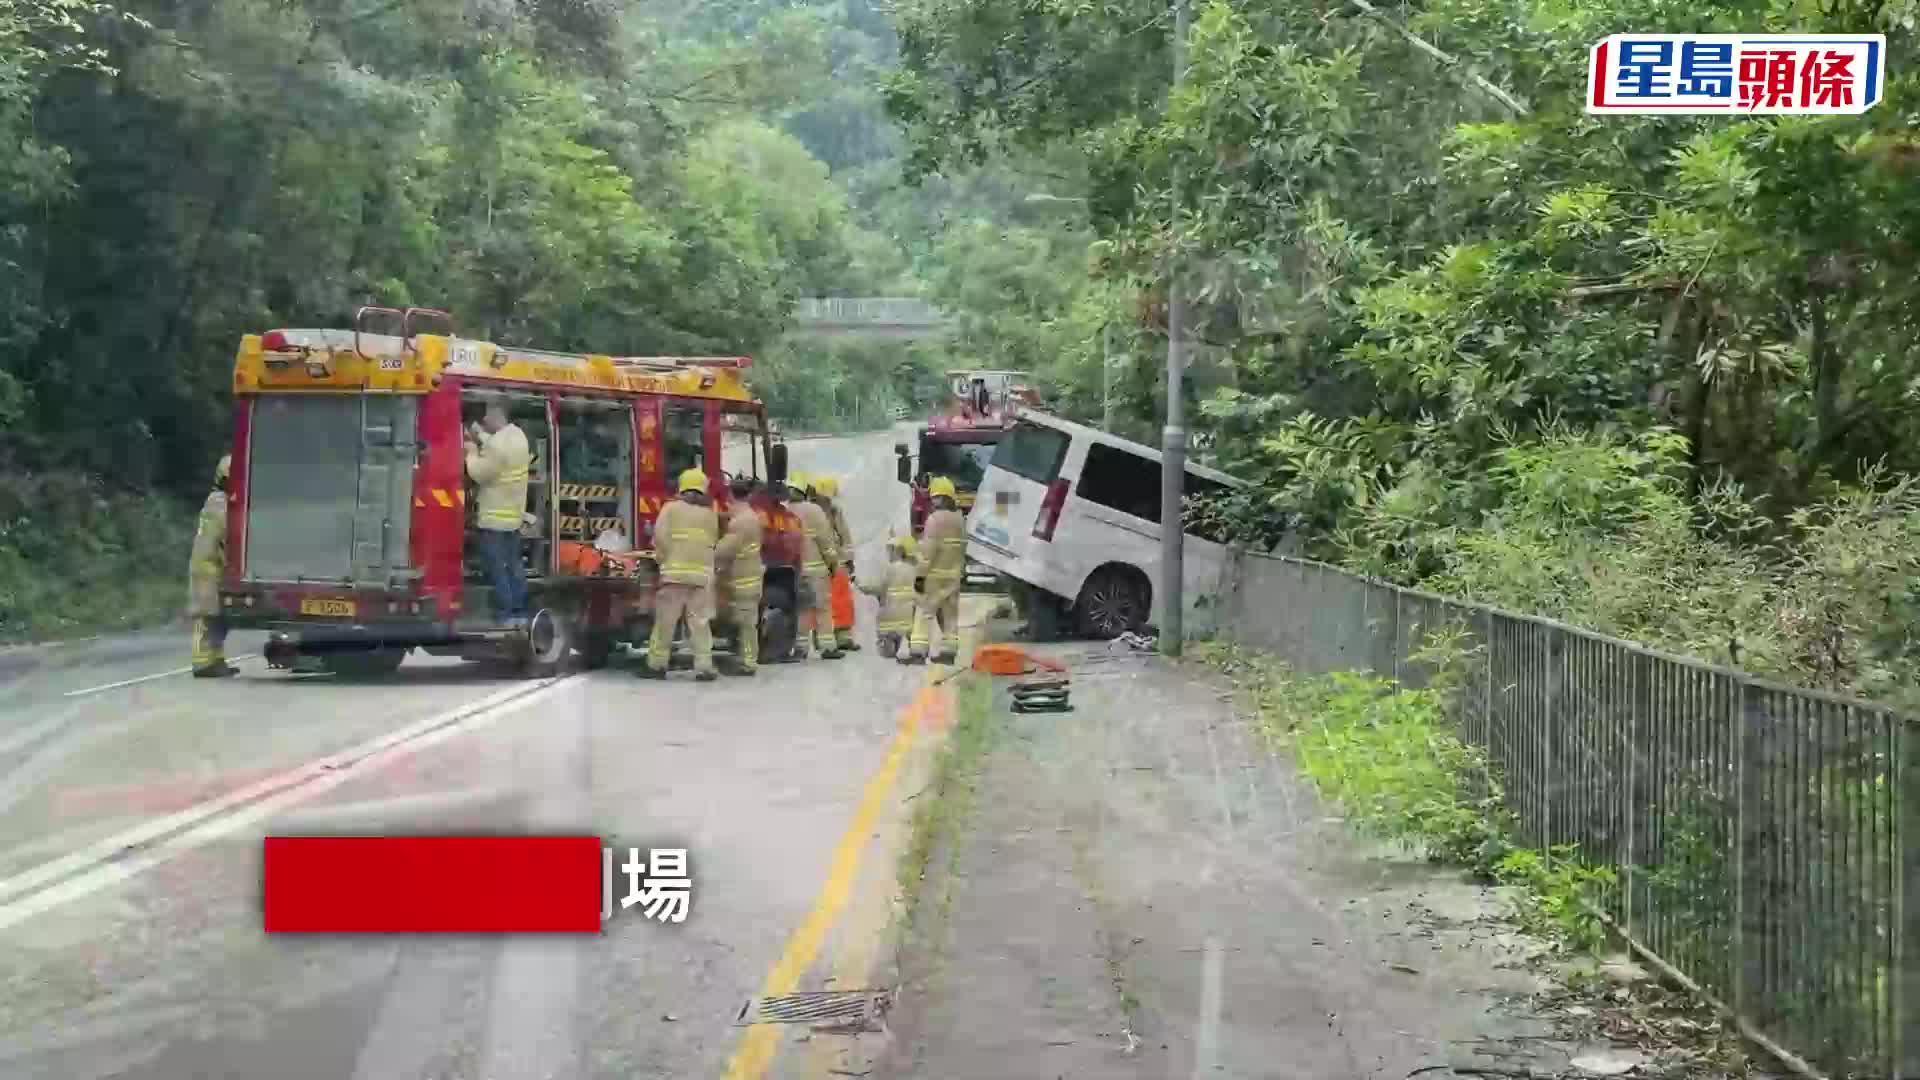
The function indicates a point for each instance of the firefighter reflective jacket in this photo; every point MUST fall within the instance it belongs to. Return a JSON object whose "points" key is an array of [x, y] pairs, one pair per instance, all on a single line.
{"points": [[894, 590], [684, 535], [499, 468], [821, 548], [842, 535], [943, 548], [209, 559], [737, 559]]}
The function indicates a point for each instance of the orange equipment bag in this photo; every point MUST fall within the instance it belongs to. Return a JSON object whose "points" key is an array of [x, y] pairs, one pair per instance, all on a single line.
{"points": [[1011, 660], [840, 594], [577, 559]]}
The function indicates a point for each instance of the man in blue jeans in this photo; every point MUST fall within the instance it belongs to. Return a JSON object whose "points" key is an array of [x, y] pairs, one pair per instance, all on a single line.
{"points": [[497, 459]]}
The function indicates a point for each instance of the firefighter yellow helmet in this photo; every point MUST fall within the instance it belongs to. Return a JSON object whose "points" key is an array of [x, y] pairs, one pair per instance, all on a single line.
{"points": [[827, 486], [222, 470], [939, 486], [906, 546], [693, 480]]}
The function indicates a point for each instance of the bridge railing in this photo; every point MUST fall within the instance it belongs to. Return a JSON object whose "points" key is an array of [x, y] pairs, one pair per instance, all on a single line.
{"points": [[855, 311], [1765, 839]]}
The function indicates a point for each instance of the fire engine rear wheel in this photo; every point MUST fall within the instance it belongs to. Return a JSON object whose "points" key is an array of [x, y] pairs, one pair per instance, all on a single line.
{"points": [[549, 642], [779, 625], [363, 664]]}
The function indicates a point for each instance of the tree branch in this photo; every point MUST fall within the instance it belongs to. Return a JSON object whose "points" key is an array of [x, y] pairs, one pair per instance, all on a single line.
{"points": [[1512, 103], [1615, 288]]}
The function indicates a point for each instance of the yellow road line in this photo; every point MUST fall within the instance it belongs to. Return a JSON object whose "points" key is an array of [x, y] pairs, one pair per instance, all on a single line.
{"points": [[754, 1054]]}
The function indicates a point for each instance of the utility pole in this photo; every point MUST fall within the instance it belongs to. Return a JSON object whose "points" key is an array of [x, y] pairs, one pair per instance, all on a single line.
{"points": [[1173, 437]]}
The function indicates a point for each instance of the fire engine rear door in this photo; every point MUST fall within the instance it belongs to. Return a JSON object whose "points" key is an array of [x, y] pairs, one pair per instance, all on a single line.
{"points": [[383, 503]]}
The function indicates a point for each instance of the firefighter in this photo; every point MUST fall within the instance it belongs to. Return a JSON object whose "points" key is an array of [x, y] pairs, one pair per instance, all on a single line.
{"points": [[497, 459], [739, 570], [820, 553], [894, 589], [684, 535], [826, 491], [207, 563], [941, 565]]}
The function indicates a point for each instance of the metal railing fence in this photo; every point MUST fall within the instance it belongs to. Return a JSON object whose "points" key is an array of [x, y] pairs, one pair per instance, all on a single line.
{"points": [[1763, 837]]}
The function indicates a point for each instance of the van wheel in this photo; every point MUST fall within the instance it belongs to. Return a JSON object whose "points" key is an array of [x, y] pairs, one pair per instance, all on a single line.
{"points": [[549, 643], [363, 664], [1115, 600], [779, 625]]}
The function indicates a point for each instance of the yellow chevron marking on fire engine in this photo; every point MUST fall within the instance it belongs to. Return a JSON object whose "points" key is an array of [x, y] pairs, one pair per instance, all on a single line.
{"points": [[589, 491], [418, 503], [569, 522], [440, 496], [462, 493]]}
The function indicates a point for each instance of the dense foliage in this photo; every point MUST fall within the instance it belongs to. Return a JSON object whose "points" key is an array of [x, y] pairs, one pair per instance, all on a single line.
{"points": [[1656, 375]]}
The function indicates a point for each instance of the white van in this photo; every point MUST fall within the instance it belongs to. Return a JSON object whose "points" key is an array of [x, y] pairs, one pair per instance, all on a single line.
{"points": [[1074, 514]]}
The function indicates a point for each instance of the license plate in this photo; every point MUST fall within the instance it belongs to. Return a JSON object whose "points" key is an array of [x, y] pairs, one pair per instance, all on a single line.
{"points": [[324, 605]]}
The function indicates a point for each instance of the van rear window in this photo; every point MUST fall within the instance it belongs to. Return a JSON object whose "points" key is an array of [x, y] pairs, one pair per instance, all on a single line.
{"points": [[1032, 452]]}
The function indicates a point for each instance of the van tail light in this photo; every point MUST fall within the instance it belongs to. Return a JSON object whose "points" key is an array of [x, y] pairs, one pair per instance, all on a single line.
{"points": [[1050, 507]]}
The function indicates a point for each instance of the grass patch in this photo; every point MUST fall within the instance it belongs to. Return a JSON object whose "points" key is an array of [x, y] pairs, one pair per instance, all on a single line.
{"points": [[78, 559], [1388, 756], [944, 806]]}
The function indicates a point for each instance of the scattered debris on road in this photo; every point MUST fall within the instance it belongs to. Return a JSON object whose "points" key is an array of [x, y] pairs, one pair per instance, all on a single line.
{"points": [[1033, 692], [1041, 695]]}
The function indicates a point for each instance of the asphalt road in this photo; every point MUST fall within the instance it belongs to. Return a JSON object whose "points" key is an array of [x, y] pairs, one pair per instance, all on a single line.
{"points": [[133, 800]]}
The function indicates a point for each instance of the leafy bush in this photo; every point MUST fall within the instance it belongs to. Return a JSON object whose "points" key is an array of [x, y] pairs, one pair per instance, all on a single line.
{"points": [[1602, 531], [77, 558], [1389, 756]]}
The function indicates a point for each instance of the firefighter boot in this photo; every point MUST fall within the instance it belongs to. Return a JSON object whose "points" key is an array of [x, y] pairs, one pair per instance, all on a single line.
{"points": [[220, 670], [823, 643]]}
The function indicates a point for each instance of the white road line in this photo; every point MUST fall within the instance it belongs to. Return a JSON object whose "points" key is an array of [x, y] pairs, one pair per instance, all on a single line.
{"points": [[31, 733], [399, 814], [1206, 1050], [128, 682], [107, 863]]}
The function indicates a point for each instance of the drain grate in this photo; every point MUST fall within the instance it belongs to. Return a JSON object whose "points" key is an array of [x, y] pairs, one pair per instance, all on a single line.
{"points": [[850, 1007]]}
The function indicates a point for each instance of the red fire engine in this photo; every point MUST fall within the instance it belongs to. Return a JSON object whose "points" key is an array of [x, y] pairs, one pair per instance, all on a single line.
{"points": [[350, 512], [957, 441]]}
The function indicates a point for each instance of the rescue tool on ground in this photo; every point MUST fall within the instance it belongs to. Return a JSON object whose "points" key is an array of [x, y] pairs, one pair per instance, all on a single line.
{"points": [[957, 440], [351, 531]]}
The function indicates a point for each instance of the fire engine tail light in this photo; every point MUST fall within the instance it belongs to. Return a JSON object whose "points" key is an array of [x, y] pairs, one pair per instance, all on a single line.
{"points": [[1050, 507]]}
